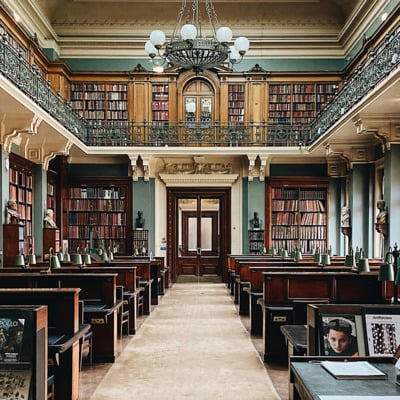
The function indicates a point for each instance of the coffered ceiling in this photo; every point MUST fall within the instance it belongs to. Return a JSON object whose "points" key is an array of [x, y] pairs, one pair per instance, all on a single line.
{"points": [[306, 28]]}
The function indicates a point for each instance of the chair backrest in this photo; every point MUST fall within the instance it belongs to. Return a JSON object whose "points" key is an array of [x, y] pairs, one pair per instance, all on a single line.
{"points": [[119, 292], [81, 311]]}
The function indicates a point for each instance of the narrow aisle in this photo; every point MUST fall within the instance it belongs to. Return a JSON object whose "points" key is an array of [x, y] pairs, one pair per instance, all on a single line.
{"points": [[192, 346]]}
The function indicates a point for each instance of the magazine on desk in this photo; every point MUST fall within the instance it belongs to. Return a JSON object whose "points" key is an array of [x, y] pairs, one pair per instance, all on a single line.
{"points": [[11, 337], [353, 370], [382, 331]]}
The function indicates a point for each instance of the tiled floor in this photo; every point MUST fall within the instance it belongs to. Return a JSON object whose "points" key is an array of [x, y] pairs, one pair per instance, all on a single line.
{"points": [[91, 376]]}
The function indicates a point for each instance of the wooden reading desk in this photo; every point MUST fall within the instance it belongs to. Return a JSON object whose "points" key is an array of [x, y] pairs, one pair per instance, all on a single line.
{"points": [[309, 381]]}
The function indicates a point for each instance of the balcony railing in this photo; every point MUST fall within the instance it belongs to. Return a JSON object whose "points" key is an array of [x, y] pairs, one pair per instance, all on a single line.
{"points": [[381, 62], [180, 133], [377, 66]]}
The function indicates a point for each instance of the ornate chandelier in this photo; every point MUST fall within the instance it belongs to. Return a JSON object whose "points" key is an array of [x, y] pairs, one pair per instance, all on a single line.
{"points": [[192, 50]]}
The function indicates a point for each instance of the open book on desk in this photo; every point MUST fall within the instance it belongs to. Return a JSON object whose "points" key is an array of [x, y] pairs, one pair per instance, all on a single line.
{"points": [[353, 370]]}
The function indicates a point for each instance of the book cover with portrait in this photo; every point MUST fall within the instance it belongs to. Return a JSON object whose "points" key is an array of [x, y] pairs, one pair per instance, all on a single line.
{"points": [[339, 335], [11, 338]]}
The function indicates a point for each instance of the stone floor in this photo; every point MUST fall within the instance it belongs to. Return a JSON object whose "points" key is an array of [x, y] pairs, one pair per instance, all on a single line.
{"points": [[91, 376]]}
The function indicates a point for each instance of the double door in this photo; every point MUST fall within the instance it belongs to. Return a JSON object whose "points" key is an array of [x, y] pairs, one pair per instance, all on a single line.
{"points": [[198, 231], [199, 236]]}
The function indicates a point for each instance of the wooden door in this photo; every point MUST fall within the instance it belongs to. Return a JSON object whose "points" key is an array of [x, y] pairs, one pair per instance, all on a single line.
{"points": [[199, 231]]}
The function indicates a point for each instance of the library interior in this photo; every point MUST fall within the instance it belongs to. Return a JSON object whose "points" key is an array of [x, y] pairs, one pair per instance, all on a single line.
{"points": [[241, 172]]}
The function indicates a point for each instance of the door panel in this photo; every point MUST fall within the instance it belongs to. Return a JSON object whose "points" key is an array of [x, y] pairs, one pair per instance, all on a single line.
{"points": [[199, 231], [199, 249]]}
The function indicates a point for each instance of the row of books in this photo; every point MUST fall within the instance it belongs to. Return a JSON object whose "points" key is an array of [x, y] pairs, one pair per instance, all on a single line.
{"points": [[285, 205], [236, 104], [236, 88], [25, 211], [279, 106], [20, 178], [140, 234], [122, 115], [285, 232], [303, 107], [313, 232], [160, 96], [303, 194], [303, 232], [83, 205], [97, 193], [236, 111], [235, 96], [159, 105], [160, 88], [313, 219], [106, 232], [309, 88], [98, 87], [308, 246], [100, 218], [80, 99], [160, 115]]}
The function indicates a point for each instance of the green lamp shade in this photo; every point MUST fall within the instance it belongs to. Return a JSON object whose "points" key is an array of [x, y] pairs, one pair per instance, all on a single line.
{"points": [[386, 272]]}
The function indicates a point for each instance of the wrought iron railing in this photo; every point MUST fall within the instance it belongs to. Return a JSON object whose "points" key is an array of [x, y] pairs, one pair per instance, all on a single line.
{"points": [[180, 133], [29, 80], [377, 66], [381, 62]]}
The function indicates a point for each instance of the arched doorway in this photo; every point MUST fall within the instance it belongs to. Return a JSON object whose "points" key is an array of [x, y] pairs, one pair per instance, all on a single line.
{"points": [[198, 101], [198, 232]]}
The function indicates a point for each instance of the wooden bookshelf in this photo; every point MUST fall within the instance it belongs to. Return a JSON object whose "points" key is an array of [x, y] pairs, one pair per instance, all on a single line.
{"points": [[160, 103], [100, 101], [21, 190], [51, 191], [298, 211], [297, 103], [236, 103], [140, 242], [99, 206], [256, 241]]}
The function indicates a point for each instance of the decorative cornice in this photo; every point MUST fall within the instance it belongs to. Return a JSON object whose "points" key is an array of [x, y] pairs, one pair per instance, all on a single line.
{"points": [[199, 179]]}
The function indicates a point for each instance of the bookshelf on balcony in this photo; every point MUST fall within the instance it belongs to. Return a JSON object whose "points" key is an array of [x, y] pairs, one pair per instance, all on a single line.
{"points": [[236, 103], [99, 214], [100, 100], [298, 214], [160, 103], [297, 103]]}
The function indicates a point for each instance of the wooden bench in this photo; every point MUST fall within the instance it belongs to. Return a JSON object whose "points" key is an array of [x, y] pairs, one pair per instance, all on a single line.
{"points": [[64, 332], [98, 290], [282, 288]]}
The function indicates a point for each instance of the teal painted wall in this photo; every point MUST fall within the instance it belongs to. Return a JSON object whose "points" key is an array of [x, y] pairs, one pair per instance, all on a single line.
{"points": [[392, 193], [253, 200], [362, 206], [245, 201], [124, 64], [144, 200]]}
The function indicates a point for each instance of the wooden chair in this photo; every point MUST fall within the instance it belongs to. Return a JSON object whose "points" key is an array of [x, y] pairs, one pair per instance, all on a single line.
{"points": [[85, 349], [50, 387], [123, 316]]}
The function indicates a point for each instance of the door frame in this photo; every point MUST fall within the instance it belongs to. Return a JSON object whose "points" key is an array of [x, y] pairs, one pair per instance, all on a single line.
{"points": [[173, 196]]}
